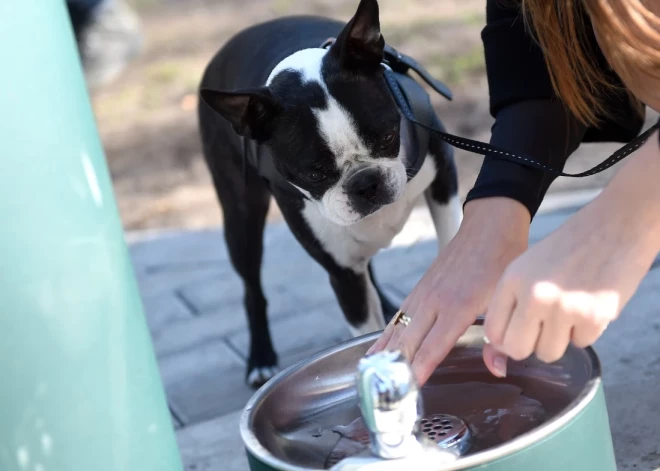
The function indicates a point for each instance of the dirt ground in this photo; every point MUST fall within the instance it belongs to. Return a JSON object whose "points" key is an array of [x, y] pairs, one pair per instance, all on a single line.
{"points": [[147, 117]]}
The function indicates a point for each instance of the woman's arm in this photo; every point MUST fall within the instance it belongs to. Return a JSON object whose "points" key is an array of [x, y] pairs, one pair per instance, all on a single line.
{"points": [[495, 230], [634, 194]]}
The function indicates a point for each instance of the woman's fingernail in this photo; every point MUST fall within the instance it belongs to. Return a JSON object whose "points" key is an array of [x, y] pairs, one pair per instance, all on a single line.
{"points": [[499, 363]]}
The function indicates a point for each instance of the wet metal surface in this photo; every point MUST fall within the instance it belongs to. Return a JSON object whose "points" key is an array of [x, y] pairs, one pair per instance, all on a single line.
{"points": [[309, 416]]}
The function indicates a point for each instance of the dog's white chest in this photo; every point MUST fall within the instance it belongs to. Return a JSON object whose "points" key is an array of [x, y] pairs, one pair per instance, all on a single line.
{"points": [[353, 246]]}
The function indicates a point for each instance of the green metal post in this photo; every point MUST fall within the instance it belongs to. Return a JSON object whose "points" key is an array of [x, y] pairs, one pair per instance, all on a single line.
{"points": [[79, 384]]}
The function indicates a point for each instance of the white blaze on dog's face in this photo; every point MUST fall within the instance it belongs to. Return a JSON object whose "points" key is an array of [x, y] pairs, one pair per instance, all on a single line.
{"points": [[330, 122]]}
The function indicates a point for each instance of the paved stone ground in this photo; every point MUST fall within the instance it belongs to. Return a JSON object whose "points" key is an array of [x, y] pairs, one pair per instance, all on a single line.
{"points": [[193, 303]]}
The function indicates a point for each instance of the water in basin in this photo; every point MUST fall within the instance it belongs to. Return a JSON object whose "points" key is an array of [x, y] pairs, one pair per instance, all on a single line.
{"points": [[312, 418]]}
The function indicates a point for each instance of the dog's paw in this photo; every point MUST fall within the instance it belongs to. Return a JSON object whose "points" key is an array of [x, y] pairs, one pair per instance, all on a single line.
{"points": [[258, 376]]}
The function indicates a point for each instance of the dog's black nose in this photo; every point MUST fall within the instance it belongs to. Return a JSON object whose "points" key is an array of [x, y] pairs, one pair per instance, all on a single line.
{"points": [[365, 184], [366, 190]]}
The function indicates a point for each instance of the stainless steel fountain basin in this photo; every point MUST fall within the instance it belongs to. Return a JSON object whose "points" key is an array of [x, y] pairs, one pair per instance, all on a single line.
{"points": [[545, 416]]}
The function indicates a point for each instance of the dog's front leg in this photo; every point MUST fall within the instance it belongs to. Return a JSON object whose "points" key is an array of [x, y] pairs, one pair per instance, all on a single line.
{"points": [[442, 195], [447, 217], [359, 300], [388, 308], [346, 263]]}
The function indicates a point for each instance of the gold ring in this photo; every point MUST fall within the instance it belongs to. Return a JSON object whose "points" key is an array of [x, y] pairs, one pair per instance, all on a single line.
{"points": [[401, 318]]}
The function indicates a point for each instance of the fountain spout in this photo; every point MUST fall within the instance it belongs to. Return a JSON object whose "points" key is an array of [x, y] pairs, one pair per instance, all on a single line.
{"points": [[392, 408], [390, 403]]}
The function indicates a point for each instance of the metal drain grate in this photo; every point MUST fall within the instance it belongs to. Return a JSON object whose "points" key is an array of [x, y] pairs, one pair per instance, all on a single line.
{"points": [[448, 431]]}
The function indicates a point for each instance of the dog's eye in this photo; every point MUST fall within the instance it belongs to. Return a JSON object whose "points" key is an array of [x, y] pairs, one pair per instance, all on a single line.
{"points": [[388, 139], [315, 177]]}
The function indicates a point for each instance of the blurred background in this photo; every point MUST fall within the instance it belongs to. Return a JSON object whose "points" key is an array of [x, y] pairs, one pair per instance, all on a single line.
{"points": [[147, 113]]}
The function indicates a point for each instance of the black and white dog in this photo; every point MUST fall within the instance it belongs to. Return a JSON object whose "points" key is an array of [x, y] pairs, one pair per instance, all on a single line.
{"points": [[321, 125]]}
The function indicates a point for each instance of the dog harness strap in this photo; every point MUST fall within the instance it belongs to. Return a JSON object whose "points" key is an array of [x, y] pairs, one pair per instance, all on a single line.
{"points": [[402, 64], [487, 149], [420, 103]]}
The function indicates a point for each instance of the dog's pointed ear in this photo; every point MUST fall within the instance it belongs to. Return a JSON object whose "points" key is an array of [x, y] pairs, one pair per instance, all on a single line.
{"points": [[360, 45], [250, 112]]}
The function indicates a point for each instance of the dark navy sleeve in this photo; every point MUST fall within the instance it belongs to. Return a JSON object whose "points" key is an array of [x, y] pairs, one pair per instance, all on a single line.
{"points": [[528, 116], [541, 129]]}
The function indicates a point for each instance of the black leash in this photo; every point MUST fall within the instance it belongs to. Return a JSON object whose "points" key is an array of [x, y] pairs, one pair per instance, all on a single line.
{"points": [[401, 63]]}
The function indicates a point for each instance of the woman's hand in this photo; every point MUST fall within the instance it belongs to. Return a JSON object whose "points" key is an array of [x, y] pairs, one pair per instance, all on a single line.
{"points": [[566, 288], [571, 285], [457, 287]]}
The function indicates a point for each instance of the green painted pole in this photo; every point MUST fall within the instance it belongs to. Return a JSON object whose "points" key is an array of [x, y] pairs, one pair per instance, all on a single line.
{"points": [[79, 384]]}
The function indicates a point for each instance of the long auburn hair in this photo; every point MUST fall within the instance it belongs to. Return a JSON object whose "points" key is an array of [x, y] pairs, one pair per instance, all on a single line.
{"points": [[628, 33]]}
